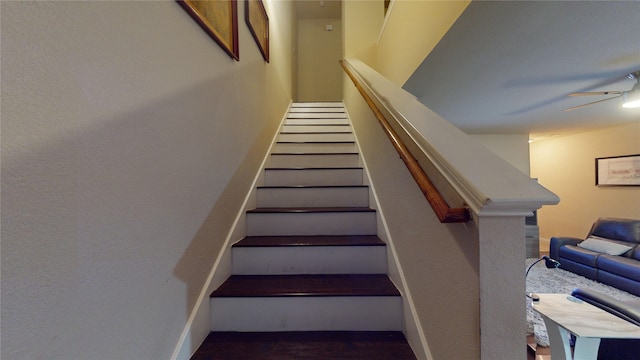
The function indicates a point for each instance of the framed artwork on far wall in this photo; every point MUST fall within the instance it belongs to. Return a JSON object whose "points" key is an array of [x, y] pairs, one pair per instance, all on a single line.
{"points": [[618, 171], [219, 19], [258, 22]]}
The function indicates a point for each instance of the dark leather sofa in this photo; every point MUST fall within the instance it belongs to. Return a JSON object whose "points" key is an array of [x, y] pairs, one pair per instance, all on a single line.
{"points": [[610, 254]]}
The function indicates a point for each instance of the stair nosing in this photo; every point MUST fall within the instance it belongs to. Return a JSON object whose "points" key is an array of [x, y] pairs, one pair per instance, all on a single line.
{"points": [[310, 210]]}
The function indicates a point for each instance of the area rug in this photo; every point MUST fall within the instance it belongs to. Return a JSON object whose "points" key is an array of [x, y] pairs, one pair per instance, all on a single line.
{"points": [[543, 280]]}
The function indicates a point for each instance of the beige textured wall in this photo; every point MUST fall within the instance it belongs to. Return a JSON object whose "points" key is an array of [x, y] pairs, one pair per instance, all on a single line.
{"points": [[566, 166], [362, 21], [412, 30], [129, 140], [319, 50], [446, 306]]}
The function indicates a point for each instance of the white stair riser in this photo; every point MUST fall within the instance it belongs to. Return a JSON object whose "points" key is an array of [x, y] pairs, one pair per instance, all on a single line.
{"points": [[315, 196], [320, 115], [316, 137], [300, 313], [315, 128], [288, 260], [316, 122], [313, 160], [313, 177], [324, 223], [328, 148], [329, 104]]}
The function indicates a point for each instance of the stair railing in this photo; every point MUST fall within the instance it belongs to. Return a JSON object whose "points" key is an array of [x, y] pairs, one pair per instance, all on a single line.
{"points": [[444, 212], [481, 181], [497, 194]]}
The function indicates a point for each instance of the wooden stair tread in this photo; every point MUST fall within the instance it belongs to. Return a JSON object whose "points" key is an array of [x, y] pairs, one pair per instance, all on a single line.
{"points": [[314, 153], [316, 109], [318, 240], [316, 125], [297, 210], [315, 142], [318, 115], [307, 285], [316, 168], [317, 104], [316, 132], [311, 186], [307, 345]]}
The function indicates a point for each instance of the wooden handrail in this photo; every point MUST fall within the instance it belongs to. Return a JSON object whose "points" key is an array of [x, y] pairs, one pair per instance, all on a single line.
{"points": [[444, 212]]}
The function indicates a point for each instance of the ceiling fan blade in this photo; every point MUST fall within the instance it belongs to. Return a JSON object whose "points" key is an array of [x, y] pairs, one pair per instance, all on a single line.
{"points": [[590, 93], [591, 103]]}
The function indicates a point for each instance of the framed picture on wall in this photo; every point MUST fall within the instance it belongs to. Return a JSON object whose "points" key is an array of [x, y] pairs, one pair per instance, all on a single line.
{"points": [[258, 22], [219, 19], [618, 171]]}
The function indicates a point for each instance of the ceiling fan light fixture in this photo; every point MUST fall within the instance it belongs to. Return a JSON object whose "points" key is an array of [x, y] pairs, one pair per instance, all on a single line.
{"points": [[631, 99]]}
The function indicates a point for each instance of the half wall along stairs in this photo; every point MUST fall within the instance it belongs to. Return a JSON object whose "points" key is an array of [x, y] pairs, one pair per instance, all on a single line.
{"points": [[309, 279]]}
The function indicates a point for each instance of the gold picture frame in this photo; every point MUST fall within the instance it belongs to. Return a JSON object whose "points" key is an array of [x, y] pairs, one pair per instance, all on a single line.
{"points": [[219, 19], [257, 20]]}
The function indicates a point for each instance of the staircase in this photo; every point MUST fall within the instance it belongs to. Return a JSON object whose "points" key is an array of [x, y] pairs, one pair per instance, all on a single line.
{"points": [[309, 279]]}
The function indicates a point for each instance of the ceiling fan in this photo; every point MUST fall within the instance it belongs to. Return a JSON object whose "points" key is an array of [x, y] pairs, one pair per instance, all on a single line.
{"points": [[631, 97]]}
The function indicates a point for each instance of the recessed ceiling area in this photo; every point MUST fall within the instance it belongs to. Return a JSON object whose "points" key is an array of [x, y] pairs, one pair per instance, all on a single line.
{"points": [[507, 66]]}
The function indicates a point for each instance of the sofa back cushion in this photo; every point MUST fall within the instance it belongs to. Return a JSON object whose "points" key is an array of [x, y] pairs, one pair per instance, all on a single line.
{"points": [[606, 246], [617, 229]]}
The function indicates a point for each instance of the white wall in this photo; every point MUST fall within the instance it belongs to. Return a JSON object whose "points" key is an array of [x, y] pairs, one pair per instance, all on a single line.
{"points": [[514, 148], [412, 30], [566, 166], [319, 50], [129, 139]]}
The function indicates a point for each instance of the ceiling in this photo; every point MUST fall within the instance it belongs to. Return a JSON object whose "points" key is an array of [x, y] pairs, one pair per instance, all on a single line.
{"points": [[507, 66]]}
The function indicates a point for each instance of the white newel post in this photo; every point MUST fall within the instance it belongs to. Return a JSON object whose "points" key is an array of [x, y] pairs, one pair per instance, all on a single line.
{"points": [[502, 291]]}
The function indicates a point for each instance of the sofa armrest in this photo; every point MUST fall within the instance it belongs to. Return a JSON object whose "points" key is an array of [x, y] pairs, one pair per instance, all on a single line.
{"points": [[613, 306], [557, 242]]}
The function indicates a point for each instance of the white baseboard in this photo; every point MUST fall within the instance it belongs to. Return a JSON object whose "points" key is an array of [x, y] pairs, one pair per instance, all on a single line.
{"points": [[544, 244]]}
